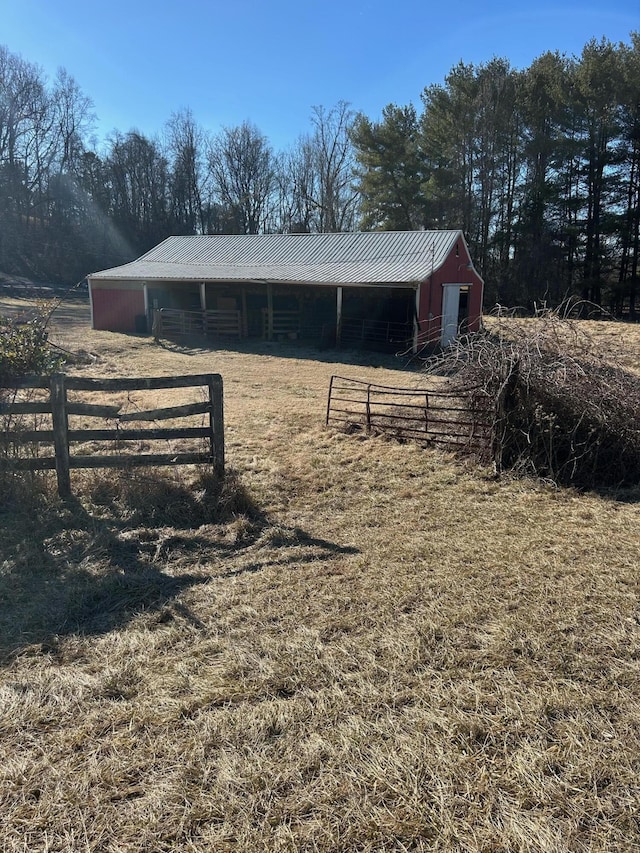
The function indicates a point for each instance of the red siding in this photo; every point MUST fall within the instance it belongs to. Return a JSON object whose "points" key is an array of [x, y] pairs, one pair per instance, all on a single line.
{"points": [[453, 271], [116, 310]]}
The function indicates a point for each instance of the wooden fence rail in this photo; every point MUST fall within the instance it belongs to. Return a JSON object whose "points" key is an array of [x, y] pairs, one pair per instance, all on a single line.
{"points": [[170, 322], [60, 435], [457, 419]]}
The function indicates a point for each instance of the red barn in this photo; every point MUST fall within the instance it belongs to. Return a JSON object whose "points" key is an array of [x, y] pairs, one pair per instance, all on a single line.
{"points": [[393, 288]]}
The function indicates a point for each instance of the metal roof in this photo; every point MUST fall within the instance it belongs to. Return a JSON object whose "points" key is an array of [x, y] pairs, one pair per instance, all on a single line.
{"points": [[376, 257]]}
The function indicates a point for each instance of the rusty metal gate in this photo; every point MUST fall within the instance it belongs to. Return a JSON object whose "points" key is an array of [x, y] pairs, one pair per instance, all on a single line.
{"points": [[460, 419]]}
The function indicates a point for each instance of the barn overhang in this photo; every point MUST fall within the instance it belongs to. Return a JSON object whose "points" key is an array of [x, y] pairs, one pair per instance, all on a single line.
{"points": [[357, 314]]}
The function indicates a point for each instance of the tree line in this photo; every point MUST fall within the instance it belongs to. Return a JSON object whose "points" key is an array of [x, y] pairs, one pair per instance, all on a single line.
{"points": [[539, 167]]}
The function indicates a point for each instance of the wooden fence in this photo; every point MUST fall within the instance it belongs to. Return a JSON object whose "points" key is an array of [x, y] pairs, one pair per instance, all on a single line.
{"points": [[284, 324], [13, 436], [461, 420], [169, 322]]}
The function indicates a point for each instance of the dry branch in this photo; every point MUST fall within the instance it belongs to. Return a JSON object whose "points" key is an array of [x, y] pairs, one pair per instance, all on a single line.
{"points": [[562, 412]]}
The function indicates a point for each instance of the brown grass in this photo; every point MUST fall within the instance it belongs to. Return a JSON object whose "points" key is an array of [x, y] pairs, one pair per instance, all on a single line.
{"points": [[356, 646]]}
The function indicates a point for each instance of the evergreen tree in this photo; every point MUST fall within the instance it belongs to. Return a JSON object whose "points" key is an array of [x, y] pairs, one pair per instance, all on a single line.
{"points": [[391, 170]]}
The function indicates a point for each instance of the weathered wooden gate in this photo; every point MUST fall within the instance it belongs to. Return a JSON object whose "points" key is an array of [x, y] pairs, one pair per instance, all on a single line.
{"points": [[58, 407]]}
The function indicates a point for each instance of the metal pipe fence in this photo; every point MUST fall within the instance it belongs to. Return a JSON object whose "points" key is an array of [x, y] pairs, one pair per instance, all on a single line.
{"points": [[457, 419]]}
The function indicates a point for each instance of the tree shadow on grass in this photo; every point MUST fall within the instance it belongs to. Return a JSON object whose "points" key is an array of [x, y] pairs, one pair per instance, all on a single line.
{"points": [[69, 572], [294, 546], [128, 545]]}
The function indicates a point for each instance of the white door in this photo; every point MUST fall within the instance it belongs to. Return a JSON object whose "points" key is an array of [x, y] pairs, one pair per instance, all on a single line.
{"points": [[450, 311]]}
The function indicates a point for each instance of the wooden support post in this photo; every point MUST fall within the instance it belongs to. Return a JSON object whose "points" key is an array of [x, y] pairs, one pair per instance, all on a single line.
{"points": [[269, 312], [147, 309], [216, 422], [60, 433], [338, 315], [203, 306], [416, 322], [244, 321]]}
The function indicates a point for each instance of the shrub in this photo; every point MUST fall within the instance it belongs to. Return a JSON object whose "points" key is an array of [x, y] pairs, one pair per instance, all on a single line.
{"points": [[25, 348], [24, 351]]}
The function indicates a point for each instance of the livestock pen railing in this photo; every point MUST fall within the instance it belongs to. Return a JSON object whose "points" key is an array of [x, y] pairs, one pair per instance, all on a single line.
{"points": [[363, 332], [459, 419], [283, 323], [170, 322], [20, 446]]}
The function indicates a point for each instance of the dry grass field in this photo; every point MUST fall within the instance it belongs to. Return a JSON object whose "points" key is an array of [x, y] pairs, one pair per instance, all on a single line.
{"points": [[353, 645]]}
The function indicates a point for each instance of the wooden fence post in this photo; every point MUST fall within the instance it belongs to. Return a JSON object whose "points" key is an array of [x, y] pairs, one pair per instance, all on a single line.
{"points": [[156, 325], [60, 433], [216, 421]]}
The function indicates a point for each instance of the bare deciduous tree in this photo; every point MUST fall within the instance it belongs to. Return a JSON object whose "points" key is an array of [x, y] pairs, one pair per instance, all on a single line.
{"points": [[335, 197], [242, 171], [185, 143], [297, 184], [138, 178]]}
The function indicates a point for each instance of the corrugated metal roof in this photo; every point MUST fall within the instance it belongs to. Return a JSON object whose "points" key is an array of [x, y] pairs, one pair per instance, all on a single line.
{"points": [[343, 258]]}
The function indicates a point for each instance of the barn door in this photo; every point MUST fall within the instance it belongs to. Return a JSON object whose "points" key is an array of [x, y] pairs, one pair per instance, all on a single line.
{"points": [[455, 311], [450, 310]]}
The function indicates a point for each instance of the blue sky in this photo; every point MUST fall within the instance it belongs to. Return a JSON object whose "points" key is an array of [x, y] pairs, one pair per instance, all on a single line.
{"points": [[270, 62]]}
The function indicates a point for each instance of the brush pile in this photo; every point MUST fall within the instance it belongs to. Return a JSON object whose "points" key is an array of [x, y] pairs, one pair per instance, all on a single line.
{"points": [[563, 412]]}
